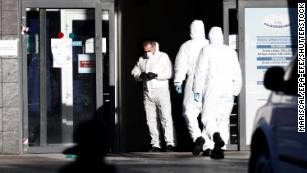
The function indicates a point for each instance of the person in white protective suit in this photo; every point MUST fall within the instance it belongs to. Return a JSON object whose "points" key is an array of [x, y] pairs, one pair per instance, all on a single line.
{"points": [[184, 71], [218, 71], [155, 70]]}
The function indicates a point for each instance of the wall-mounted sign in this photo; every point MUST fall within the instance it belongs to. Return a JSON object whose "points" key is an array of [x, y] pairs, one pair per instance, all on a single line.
{"points": [[268, 42], [89, 45], [8, 47], [233, 41], [86, 63]]}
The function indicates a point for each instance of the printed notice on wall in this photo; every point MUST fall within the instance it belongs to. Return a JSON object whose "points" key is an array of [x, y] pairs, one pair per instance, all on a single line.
{"points": [[268, 42], [62, 52], [8, 47], [233, 41], [89, 45], [86, 63]]}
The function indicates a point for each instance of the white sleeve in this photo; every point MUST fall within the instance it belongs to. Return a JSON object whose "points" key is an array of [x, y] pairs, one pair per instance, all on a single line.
{"points": [[201, 71], [181, 65], [237, 78], [166, 71], [136, 71]]}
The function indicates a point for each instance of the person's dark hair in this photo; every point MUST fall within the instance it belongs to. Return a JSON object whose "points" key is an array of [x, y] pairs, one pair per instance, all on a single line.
{"points": [[153, 43]]}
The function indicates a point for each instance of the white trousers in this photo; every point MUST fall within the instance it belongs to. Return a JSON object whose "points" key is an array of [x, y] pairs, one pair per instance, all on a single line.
{"points": [[158, 107], [191, 110], [217, 109]]}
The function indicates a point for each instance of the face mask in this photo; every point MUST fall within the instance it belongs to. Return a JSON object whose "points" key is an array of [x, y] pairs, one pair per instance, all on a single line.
{"points": [[149, 54]]}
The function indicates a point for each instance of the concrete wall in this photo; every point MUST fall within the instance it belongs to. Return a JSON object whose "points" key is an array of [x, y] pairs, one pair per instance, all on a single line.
{"points": [[10, 107]]}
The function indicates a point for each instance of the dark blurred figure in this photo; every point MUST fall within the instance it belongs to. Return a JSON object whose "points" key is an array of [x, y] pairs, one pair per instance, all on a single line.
{"points": [[92, 143]]}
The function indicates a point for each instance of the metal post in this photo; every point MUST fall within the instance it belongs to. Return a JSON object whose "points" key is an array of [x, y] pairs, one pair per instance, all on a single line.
{"points": [[43, 73]]}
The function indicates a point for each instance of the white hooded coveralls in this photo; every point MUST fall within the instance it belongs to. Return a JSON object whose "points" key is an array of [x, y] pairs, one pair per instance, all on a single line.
{"points": [[184, 70], [157, 96], [218, 71]]}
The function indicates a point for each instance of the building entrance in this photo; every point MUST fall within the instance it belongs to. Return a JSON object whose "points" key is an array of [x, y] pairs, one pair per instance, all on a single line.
{"points": [[69, 74]]}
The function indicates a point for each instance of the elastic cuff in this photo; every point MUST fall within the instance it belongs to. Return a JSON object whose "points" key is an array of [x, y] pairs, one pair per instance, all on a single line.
{"points": [[196, 91], [172, 144], [157, 147], [177, 83]]}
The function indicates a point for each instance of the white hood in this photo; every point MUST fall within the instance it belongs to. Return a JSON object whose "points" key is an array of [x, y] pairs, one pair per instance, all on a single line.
{"points": [[157, 46], [197, 30], [216, 35]]}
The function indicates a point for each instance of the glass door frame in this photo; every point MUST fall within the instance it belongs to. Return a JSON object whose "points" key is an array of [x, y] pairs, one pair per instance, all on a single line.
{"points": [[65, 4]]}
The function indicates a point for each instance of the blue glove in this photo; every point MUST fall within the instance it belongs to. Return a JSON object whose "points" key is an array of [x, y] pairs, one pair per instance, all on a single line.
{"points": [[178, 89], [197, 97]]}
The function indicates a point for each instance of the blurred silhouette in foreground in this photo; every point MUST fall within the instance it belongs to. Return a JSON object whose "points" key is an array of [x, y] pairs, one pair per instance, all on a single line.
{"points": [[92, 141]]}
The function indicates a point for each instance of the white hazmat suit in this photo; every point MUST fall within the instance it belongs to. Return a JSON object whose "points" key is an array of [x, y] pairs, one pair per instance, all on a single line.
{"points": [[157, 96], [218, 71], [184, 70]]}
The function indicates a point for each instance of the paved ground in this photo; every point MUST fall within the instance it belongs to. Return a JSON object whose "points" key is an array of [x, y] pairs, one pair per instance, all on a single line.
{"points": [[235, 162]]}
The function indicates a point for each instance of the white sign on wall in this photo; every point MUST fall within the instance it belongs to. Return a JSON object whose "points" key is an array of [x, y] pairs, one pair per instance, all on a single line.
{"points": [[89, 45], [8, 47], [233, 41], [268, 43]]}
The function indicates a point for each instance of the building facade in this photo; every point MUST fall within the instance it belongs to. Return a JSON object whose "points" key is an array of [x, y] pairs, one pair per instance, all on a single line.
{"points": [[62, 61]]}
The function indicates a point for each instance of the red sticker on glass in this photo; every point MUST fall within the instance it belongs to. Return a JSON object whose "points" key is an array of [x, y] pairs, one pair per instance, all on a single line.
{"points": [[60, 35]]}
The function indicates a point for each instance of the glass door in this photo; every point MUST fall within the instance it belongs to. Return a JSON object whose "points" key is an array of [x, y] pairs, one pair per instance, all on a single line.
{"points": [[61, 87], [68, 71], [61, 70], [78, 81]]}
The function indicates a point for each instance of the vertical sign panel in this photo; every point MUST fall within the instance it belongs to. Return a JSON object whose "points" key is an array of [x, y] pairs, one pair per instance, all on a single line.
{"points": [[268, 42]]}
